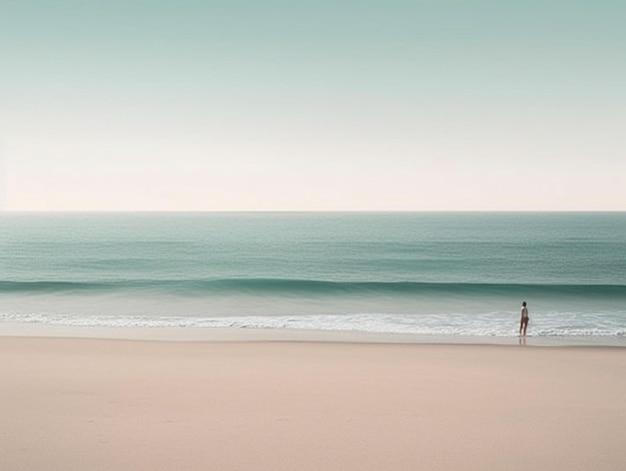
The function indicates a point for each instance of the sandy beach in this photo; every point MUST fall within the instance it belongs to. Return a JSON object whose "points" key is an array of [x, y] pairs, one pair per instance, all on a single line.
{"points": [[101, 404]]}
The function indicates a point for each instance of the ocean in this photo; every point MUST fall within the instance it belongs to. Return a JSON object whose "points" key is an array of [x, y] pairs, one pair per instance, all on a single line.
{"points": [[450, 275]]}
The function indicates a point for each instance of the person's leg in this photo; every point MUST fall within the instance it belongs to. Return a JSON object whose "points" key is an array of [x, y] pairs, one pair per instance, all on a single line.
{"points": [[525, 323]]}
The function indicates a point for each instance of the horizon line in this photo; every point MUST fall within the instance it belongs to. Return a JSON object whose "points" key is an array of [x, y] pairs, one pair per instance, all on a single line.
{"points": [[199, 211]]}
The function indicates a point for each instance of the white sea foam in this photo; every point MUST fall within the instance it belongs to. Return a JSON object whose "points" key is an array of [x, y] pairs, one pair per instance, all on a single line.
{"points": [[493, 324]]}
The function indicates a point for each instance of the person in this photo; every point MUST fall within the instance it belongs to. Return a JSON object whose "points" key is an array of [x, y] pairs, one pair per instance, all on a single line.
{"points": [[523, 322]]}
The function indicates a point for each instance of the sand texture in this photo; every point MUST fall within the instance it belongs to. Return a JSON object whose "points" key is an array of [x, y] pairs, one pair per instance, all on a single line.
{"points": [[81, 404]]}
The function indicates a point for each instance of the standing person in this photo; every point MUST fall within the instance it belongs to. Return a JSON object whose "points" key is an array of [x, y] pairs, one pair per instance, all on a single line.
{"points": [[523, 322]]}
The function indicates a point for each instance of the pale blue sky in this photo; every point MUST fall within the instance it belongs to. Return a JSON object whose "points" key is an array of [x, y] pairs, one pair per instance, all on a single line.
{"points": [[297, 105]]}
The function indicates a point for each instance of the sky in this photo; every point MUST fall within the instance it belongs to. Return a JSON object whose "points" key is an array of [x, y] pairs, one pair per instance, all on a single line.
{"points": [[299, 105]]}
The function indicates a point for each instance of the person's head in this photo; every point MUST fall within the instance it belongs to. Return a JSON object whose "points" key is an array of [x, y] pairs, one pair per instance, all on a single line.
{"points": [[524, 303]]}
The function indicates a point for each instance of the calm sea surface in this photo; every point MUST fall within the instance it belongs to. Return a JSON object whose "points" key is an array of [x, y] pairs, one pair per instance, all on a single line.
{"points": [[450, 274]]}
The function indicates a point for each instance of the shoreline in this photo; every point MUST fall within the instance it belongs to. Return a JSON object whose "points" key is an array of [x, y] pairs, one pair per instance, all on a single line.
{"points": [[187, 334]]}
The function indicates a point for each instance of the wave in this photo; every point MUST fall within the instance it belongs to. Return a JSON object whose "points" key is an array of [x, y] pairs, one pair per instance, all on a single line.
{"points": [[271, 286], [51, 286]]}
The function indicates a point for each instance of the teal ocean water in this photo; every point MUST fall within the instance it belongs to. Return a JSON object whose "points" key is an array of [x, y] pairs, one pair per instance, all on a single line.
{"points": [[440, 274]]}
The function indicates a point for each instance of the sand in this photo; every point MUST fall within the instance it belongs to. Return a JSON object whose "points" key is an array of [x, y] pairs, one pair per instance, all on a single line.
{"points": [[98, 404]]}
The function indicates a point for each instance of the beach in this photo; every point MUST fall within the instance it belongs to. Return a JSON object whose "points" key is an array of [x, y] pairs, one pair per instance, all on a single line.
{"points": [[119, 404]]}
